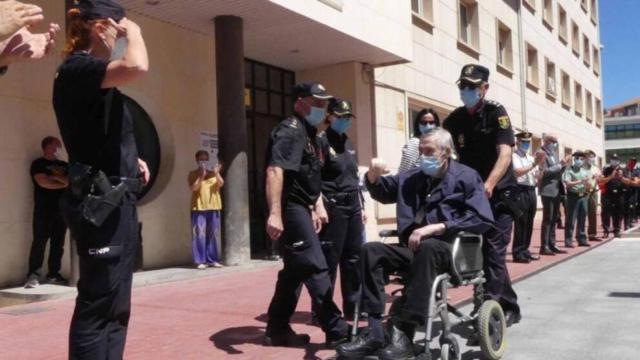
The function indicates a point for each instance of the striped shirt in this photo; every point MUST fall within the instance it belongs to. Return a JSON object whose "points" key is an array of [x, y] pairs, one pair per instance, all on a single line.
{"points": [[410, 155]]}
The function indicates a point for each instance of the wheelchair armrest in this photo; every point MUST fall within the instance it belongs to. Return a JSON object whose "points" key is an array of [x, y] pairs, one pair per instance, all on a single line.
{"points": [[388, 233]]}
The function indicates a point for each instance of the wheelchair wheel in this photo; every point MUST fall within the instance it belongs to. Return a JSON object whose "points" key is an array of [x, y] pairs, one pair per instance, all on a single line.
{"points": [[449, 349], [492, 329]]}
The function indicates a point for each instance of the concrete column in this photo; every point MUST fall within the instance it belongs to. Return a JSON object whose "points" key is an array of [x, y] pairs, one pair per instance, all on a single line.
{"points": [[232, 135]]}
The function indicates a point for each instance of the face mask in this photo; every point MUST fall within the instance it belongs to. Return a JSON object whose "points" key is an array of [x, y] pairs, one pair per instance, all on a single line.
{"points": [[119, 48], [578, 162], [202, 164], [552, 146], [470, 97], [430, 165], [525, 146], [341, 125], [424, 128], [590, 161], [615, 162], [316, 115]]}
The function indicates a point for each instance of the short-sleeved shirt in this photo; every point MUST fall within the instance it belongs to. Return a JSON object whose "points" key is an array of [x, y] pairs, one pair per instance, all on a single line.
{"points": [[521, 159], [208, 196], [477, 136], [340, 166], [47, 199], [92, 133], [595, 174], [293, 146], [572, 174]]}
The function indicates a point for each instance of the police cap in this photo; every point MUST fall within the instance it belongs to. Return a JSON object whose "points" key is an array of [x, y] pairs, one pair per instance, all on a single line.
{"points": [[100, 9], [307, 89], [615, 156], [340, 107], [474, 73], [524, 136]]}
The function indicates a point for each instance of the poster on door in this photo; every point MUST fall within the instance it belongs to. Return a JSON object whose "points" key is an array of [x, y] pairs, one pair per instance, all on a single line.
{"points": [[209, 143]]}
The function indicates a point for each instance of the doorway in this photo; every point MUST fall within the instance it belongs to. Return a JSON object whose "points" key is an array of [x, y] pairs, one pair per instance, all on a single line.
{"points": [[268, 101]]}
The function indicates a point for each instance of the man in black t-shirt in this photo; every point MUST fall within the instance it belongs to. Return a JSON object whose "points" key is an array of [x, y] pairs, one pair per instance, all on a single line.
{"points": [[483, 137], [49, 177]]}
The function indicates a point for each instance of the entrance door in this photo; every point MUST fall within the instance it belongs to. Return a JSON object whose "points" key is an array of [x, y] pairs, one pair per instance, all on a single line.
{"points": [[268, 101]]}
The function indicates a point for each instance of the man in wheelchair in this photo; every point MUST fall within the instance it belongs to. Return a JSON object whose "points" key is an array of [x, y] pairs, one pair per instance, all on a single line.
{"points": [[434, 202]]}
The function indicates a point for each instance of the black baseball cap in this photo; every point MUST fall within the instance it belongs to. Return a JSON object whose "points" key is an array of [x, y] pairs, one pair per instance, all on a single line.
{"points": [[100, 9], [524, 136], [473, 73], [340, 107], [307, 89], [589, 153], [615, 156]]}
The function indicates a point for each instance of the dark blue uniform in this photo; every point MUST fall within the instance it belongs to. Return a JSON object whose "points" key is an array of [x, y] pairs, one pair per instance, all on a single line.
{"points": [[97, 130], [476, 138], [341, 238], [457, 200], [293, 147]]}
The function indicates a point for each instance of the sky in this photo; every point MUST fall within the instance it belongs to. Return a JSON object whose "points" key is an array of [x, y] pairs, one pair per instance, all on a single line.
{"points": [[620, 35]]}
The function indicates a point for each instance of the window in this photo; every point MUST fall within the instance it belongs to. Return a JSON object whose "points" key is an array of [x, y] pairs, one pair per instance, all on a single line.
{"points": [[566, 89], [596, 60], [578, 104], [504, 46], [550, 76], [532, 66], [547, 13], [562, 25], [589, 105], [586, 53], [575, 38], [423, 9], [531, 4], [468, 29], [594, 12], [598, 114], [583, 4]]}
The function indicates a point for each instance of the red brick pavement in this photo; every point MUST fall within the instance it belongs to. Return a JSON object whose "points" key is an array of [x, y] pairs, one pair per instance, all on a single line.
{"points": [[217, 317]]}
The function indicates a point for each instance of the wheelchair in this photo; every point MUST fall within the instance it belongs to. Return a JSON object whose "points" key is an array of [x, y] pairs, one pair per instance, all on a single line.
{"points": [[487, 320]]}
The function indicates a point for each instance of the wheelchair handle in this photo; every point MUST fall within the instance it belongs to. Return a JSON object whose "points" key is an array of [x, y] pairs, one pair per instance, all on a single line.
{"points": [[388, 233]]}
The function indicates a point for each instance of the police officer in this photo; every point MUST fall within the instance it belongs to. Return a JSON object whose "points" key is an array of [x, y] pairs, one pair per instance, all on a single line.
{"points": [[483, 138], [293, 188], [341, 237], [97, 130], [526, 171], [608, 198], [615, 193], [631, 197]]}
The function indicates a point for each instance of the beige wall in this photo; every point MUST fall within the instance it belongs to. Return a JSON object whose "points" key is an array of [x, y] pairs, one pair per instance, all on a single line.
{"points": [[179, 94]]}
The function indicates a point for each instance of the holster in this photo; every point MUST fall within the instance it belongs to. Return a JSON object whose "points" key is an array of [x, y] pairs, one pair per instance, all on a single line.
{"points": [[94, 194], [509, 198]]}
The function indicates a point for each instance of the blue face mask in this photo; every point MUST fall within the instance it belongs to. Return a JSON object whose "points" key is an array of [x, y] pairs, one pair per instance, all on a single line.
{"points": [[470, 97], [341, 125], [578, 162], [525, 146], [552, 146], [424, 128], [316, 115], [430, 165]]}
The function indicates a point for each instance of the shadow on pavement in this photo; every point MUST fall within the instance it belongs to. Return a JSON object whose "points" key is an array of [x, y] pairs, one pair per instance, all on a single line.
{"points": [[227, 339]]}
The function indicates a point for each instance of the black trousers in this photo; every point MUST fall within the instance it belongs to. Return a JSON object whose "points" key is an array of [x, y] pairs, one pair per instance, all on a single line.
{"points": [[550, 214], [605, 212], [523, 226], [432, 258], [103, 306], [614, 212], [47, 224], [630, 208], [341, 241], [494, 247], [304, 263]]}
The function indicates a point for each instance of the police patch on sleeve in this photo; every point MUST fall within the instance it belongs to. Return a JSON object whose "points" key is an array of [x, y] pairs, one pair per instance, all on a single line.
{"points": [[503, 122]]}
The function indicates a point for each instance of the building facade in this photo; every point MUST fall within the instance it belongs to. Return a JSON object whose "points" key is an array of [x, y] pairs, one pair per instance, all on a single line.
{"points": [[227, 67], [622, 130]]}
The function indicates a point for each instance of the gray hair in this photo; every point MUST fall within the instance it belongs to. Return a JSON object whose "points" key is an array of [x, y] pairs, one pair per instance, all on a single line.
{"points": [[442, 140]]}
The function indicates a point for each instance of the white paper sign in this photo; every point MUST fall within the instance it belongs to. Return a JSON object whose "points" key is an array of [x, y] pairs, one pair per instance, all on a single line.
{"points": [[209, 143]]}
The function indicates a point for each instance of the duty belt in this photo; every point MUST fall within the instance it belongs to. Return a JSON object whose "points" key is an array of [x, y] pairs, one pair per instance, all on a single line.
{"points": [[134, 185], [343, 198]]}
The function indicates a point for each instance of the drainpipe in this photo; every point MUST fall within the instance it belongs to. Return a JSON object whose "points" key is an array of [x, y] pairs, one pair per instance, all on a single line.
{"points": [[523, 76]]}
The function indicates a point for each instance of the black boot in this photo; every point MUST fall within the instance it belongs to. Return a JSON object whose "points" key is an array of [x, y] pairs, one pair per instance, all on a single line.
{"points": [[401, 342], [286, 337], [364, 345]]}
